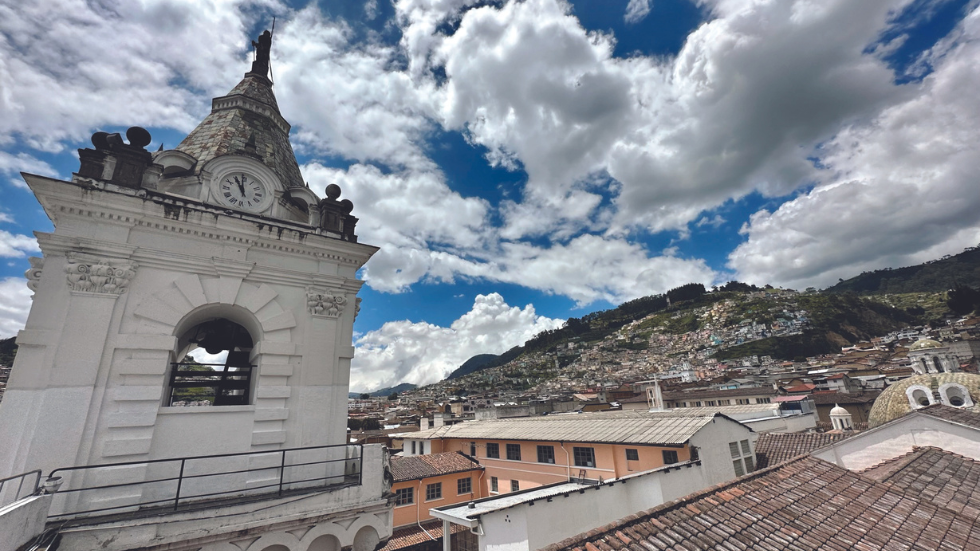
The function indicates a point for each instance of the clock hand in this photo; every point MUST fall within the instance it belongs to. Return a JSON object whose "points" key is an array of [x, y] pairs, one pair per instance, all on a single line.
{"points": [[241, 186]]}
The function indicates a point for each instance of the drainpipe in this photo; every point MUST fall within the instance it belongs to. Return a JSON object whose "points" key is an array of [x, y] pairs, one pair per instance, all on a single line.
{"points": [[568, 463], [418, 515]]}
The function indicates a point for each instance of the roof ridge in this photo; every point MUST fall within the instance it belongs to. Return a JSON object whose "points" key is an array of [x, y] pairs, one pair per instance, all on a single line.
{"points": [[674, 504]]}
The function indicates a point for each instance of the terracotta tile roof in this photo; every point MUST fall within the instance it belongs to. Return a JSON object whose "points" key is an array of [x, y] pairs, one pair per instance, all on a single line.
{"points": [[709, 394], [966, 417], [803, 504], [407, 536], [417, 467], [773, 449], [805, 387], [945, 478]]}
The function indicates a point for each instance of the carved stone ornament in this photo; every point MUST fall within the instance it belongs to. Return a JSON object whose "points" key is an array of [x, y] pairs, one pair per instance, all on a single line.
{"points": [[100, 277], [33, 274], [324, 304], [357, 307]]}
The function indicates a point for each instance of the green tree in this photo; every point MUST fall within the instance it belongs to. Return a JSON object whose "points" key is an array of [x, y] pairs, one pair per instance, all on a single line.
{"points": [[365, 396], [394, 396]]}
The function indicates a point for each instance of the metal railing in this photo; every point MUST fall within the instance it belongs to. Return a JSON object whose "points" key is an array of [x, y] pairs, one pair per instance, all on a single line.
{"points": [[188, 486], [8, 497]]}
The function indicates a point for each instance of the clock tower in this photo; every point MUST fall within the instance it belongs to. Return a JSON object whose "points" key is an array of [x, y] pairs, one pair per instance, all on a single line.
{"points": [[194, 307]]}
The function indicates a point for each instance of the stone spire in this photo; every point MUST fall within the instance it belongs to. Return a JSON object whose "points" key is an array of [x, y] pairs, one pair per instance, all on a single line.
{"points": [[247, 121]]}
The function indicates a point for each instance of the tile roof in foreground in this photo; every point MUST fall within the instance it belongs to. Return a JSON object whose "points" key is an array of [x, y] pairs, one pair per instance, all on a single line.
{"points": [[962, 416], [417, 467], [615, 427], [945, 478], [407, 536], [773, 449], [803, 504]]}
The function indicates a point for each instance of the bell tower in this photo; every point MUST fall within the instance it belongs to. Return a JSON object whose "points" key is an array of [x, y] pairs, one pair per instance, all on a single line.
{"points": [[192, 301]]}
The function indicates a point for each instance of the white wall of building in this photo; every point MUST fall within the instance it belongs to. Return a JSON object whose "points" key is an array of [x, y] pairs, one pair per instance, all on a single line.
{"points": [[896, 438], [526, 527], [712, 443]]}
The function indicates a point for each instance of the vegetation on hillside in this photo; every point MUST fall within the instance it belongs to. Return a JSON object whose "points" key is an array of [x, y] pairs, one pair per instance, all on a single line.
{"points": [[933, 276], [835, 321], [8, 349]]}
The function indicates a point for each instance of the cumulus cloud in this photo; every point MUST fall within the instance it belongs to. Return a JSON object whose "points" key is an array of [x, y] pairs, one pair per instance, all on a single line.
{"points": [[14, 245], [81, 65], [15, 304], [422, 353], [12, 165], [896, 190], [637, 10]]}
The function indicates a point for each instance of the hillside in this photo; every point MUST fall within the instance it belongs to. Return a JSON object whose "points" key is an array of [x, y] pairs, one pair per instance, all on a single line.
{"points": [[8, 349], [384, 392], [473, 364], [930, 277], [836, 321]]}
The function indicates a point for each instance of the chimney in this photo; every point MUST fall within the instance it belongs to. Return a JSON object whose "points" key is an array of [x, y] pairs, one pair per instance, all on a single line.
{"points": [[424, 423]]}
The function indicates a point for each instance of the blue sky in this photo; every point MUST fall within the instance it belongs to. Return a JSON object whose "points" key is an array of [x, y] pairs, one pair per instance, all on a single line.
{"points": [[523, 162]]}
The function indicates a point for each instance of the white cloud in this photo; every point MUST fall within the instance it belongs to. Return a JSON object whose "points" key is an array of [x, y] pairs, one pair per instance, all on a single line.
{"points": [[422, 353], [897, 190], [15, 304], [11, 165], [637, 10], [4, 217], [81, 65], [14, 245]]}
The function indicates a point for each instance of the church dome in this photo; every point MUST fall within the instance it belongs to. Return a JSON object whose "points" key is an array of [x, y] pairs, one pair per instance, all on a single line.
{"points": [[895, 401], [839, 410], [924, 344]]}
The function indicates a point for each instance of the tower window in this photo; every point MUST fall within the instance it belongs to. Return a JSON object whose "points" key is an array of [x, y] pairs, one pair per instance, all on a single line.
{"points": [[216, 370]]}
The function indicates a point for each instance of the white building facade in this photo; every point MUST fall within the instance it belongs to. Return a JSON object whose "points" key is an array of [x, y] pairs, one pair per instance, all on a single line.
{"points": [[217, 244]]}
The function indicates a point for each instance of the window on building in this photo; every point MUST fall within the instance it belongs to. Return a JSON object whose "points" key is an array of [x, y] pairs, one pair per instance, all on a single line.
{"points": [[697, 404], [632, 455], [404, 496], [413, 447], [546, 454], [433, 491], [584, 457], [473, 449], [464, 486], [742, 401], [745, 447], [494, 486], [493, 450], [670, 457], [762, 400], [710, 402], [514, 452], [695, 454], [739, 471], [749, 463], [515, 485], [228, 383], [724, 402], [733, 448]]}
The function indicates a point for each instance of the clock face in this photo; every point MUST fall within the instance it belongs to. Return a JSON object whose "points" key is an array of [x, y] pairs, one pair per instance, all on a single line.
{"points": [[242, 191]]}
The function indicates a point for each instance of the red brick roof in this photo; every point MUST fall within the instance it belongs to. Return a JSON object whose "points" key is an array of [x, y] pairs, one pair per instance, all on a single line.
{"points": [[773, 449], [945, 478], [417, 467], [414, 535], [802, 504], [955, 415]]}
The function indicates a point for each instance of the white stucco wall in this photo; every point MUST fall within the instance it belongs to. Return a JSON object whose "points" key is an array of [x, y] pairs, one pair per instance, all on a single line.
{"points": [[712, 443], [897, 438], [22, 520], [527, 527]]}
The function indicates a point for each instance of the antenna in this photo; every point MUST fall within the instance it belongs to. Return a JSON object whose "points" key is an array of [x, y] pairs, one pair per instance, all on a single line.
{"points": [[272, 37]]}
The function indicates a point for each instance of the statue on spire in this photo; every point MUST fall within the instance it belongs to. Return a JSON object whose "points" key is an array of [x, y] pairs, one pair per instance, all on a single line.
{"points": [[262, 49]]}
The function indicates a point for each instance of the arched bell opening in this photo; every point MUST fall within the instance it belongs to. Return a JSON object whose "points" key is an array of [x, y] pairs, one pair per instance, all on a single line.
{"points": [[212, 363]]}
